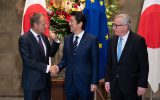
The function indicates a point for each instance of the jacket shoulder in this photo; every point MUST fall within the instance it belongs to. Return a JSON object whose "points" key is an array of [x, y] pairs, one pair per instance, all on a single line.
{"points": [[68, 36], [90, 36], [25, 35], [136, 36]]}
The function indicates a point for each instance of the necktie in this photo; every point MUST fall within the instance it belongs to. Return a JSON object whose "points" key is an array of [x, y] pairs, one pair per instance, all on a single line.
{"points": [[40, 42], [75, 45], [119, 48]]}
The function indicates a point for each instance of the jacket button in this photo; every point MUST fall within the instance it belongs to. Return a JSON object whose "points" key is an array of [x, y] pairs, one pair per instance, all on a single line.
{"points": [[117, 76]]}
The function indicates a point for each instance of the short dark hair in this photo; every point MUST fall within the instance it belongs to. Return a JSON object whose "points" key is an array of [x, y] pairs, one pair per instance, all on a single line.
{"points": [[35, 18], [80, 17]]}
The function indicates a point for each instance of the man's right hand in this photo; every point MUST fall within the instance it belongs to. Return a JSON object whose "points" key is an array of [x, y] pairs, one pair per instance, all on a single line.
{"points": [[54, 69], [53, 36], [107, 87]]}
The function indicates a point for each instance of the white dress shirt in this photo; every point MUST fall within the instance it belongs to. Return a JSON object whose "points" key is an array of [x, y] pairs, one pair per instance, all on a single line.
{"points": [[80, 37], [124, 40]]}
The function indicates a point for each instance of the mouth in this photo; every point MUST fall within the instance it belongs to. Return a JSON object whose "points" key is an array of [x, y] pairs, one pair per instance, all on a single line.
{"points": [[71, 28]]}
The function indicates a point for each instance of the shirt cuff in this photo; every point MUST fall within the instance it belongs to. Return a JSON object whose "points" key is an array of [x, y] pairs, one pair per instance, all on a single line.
{"points": [[57, 41], [51, 42], [48, 67]]}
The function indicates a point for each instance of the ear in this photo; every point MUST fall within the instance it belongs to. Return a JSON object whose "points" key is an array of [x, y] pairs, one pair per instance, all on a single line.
{"points": [[80, 24], [35, 25]]}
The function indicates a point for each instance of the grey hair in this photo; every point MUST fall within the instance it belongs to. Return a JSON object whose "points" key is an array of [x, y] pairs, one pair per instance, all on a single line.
{"points": [[125, 19], [35, 18]]}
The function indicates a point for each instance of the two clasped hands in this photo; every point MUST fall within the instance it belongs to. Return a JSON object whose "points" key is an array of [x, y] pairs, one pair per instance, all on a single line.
{"points": [[54, 69]]}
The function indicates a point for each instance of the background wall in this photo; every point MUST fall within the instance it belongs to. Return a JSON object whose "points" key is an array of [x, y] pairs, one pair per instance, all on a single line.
{"points": [[10, 69], [133, 9]]}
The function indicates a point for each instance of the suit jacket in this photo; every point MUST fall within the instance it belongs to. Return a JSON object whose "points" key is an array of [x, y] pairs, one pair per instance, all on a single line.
{"points": [[35, 62], [132, 68], [81, 69]]}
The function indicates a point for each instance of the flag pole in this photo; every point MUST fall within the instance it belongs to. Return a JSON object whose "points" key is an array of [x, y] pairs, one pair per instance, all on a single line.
{"points": [[151, 95], [95, 95]]}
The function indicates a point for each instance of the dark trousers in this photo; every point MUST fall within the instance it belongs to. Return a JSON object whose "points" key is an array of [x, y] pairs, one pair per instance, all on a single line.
{"points": [[116, 94], [74, 94], [43, 94]]}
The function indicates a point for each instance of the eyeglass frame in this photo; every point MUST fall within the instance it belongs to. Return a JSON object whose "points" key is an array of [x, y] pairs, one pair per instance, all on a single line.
{"points": [[116, 25]]}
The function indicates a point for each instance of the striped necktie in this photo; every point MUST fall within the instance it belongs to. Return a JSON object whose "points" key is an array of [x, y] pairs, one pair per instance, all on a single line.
{"points": [[75, 45]]}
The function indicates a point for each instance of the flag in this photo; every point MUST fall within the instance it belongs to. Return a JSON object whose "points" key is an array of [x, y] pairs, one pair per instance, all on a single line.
{"points": [[150, 30], [32, 6], [97, 25]]}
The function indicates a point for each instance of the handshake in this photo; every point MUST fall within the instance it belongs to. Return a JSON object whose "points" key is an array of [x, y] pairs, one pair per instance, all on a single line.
{"points": [[54, 69]]}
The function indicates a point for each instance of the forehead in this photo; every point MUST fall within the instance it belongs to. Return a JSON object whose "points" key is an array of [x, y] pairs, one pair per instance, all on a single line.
{"points": [[42, 18], [118, 20], [73, 18]]}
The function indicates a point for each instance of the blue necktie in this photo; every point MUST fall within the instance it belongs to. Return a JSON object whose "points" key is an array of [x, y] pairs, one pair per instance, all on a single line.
{"points": [[119, 48], [40, 43], [75, 45]]}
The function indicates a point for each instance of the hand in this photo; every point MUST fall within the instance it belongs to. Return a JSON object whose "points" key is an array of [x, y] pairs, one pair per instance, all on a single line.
{"points": [[141, 91], [53, 36], [107, 87], [54, 69], [93, 87]]}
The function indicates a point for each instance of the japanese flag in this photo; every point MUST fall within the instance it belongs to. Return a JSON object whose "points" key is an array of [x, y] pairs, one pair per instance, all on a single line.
{"points": [[149, 28], [32, 6]]}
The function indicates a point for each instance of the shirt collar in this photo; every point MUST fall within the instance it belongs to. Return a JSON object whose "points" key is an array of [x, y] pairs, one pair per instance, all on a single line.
{"points": [[126, 36], [34, 33], [80, 34]]}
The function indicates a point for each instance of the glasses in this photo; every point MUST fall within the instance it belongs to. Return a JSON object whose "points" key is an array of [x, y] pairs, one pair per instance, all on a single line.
{"points": [[115, 25]]}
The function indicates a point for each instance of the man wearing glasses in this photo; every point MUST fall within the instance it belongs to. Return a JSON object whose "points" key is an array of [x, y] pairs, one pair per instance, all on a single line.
{"points": [[127, 68]]}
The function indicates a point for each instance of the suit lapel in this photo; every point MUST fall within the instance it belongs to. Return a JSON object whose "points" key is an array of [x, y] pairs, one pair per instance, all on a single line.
{"points": [[83, 40], [33, 39], [115, 47], [126, 46], [36, 43], [46, 44], [71, 45]]}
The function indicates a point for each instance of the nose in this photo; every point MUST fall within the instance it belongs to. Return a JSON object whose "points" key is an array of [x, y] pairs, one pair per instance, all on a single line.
{"points": [[113, 27], [69, 23], [46, 25]]}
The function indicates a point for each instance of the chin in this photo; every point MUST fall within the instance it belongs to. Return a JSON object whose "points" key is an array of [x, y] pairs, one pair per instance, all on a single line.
{"points": [[71, 30]]}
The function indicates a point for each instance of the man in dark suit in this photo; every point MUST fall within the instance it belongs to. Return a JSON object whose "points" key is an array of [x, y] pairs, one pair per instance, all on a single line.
{"points": [[127, 68], [35, 50], [80, 58]]}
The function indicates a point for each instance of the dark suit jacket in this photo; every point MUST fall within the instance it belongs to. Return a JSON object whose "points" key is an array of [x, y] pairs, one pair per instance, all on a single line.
{"points": [[35, 62], [81, 69], [132, 68]]}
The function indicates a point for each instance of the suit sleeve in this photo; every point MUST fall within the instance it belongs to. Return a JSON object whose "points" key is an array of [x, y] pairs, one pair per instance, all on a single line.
{"points": [[28, 61], [143, 63], [62, 63], [95, 61], [53, 49], [109, 62]]}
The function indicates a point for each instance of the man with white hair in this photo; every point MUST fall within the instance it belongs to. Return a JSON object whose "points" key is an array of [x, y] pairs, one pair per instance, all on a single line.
{"points": [[127, 68]]}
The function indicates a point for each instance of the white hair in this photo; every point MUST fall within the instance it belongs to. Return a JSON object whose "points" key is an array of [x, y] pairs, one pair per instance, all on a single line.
{"points": [[125, 19]]}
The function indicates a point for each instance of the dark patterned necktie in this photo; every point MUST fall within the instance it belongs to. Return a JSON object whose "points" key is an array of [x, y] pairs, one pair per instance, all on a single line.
{"points": [[75, 45], [40, 43]]}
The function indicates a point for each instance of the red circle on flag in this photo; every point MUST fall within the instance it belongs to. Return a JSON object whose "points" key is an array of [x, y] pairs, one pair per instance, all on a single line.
{"points": [[29, 12], [149, 26]]}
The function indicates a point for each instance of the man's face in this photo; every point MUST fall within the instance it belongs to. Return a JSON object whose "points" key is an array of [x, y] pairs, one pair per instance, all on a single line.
{"points": [[119, 28], [41, 26], [74, 26]]}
